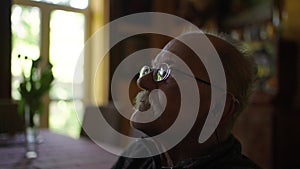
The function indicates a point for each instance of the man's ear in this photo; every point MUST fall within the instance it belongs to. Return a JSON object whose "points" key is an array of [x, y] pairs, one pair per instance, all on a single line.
{"points": [[229, 109]]}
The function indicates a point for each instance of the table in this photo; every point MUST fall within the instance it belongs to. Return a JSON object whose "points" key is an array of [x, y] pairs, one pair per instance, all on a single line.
{"points": [[57, 152]]}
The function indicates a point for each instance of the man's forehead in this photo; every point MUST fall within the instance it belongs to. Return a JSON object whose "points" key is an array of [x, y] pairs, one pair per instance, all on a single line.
{"points": [[165, 56], [178, 55]]}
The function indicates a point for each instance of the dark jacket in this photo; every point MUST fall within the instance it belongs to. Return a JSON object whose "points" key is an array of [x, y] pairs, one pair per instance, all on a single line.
{"points": [[229, 157]]}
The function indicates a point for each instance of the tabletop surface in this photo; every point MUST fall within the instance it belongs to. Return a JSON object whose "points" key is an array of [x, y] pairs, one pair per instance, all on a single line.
{"points": [[57, 152]]}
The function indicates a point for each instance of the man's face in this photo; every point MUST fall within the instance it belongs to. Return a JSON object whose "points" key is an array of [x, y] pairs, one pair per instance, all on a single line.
{"points": [[159, 102]]}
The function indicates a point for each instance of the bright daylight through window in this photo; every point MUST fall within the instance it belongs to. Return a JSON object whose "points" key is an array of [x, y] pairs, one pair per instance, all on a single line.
{"points": [[53, 30]]}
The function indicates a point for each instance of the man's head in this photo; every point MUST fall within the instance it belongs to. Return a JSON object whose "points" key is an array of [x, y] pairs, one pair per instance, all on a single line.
{"points": [[164, 105]]}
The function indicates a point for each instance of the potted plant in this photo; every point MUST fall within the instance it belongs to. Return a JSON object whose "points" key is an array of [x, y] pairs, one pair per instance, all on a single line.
{"points": [[32, 88]]}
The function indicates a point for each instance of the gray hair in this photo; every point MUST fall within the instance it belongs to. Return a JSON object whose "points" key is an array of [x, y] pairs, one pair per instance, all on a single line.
{"points": [[240, 68]]}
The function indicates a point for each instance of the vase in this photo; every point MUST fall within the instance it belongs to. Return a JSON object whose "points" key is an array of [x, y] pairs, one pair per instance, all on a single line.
{"points": [[31, 132]]}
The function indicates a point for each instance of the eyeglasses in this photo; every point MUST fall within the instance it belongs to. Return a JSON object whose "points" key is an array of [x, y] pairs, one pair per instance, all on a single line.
{"points": [[162, 71]]}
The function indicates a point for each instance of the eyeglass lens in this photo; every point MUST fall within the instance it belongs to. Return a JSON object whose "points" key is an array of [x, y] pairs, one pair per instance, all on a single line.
{"points": [[160, 72], [145, 70]]}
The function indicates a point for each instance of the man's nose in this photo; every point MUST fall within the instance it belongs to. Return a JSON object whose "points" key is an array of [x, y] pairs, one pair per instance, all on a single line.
{"points": [[146, 82]]}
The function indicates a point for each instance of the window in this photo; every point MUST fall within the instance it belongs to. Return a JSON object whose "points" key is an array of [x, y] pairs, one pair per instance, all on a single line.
{"points": [[53, 30], [25, 37], [81, 4]]}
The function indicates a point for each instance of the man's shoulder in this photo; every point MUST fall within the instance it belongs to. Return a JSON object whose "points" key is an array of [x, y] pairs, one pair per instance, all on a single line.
{"points": [[238, 162], [235, 159]]}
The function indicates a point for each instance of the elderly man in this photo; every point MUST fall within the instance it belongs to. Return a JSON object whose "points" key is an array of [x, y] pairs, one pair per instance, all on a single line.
{"points": [[160, 103]]}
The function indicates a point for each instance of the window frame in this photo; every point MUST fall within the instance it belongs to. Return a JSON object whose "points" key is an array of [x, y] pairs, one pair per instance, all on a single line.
{"points": [[45, 15]]}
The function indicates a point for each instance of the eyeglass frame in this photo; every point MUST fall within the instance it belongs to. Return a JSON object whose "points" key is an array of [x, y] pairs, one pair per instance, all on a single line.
{"points": [[169, 69]]}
